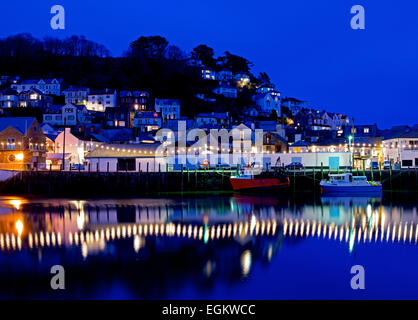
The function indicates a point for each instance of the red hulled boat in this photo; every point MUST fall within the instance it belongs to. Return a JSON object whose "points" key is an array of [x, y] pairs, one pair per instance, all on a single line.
{"points": [[250, 182]]}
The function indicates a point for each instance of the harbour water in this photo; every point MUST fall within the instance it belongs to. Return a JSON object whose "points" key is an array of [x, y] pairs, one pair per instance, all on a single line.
{"points": [[212, 246]]}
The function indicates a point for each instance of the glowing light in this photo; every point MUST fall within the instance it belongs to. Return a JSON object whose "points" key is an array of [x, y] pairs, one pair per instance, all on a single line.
{"points": [[246, 260], [84, 250], [206, 234], [15, 203], [351, 243], [80, 221], [19, 227], [137, 243]]}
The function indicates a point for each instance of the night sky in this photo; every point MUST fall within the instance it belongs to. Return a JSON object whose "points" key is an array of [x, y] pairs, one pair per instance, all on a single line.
{"points": [[307, 47]]}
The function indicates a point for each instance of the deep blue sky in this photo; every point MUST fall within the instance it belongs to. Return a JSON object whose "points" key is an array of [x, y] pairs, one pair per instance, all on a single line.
{"points": [[307, 47]]}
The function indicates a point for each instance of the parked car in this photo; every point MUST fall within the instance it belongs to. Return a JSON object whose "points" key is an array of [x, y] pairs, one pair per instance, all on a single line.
{"points": [[294, 166], [77, 166]]}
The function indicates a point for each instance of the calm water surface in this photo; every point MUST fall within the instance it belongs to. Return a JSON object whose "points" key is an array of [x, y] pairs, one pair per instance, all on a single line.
{"points": [[210, 247]]}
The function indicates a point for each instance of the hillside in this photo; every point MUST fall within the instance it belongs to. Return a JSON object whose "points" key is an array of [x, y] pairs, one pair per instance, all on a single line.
{"points": [[149, 64]]}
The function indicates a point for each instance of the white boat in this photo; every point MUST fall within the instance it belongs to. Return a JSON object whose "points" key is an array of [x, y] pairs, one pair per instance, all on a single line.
{"points": [[347, 183]]}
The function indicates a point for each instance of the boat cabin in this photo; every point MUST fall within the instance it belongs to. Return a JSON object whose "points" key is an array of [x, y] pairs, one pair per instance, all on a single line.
{"points": [[347, 178]]}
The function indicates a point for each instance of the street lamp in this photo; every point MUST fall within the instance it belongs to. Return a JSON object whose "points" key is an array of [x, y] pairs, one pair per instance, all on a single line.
{"points": [[63, 145], [350, 137]]}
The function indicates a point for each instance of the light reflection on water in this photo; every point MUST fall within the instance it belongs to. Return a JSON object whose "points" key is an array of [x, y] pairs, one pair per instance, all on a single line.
{"points": [[189, 247]]}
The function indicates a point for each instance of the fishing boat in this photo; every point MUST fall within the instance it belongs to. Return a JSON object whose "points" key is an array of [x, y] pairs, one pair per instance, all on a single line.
{"points": [[249, 181], [347, 183]]}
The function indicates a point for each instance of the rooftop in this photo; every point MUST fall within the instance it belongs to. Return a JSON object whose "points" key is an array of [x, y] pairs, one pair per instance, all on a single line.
{"points": [[167, 101], [411, 134], [216, 115], [76, 89], [136, 94], [9, 92], [135, 150], [39, 92], [101, 92], [301, 143], [35, 81], [20, 124], [292, 99]]}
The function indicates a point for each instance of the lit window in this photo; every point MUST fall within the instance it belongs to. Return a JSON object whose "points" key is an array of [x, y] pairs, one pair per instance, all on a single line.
{"points": [[11, 143]]}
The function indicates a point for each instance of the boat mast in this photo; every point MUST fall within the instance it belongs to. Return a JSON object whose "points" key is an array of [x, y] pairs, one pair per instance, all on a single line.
{"points": [[352, 149]]}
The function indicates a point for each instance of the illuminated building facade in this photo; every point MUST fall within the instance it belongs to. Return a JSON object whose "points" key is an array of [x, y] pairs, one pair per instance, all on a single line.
{"points": [[46, 86], [402, 149], [76, 94], [22, 144], [99, 100]]}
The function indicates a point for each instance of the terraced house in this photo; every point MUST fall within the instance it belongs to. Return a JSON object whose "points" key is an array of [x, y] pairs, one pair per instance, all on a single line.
{"points": [[402, 149], [22, 144], [76, 94], [168, 108], [99, 100], [8, 98], [34, 98], [46, 86]]}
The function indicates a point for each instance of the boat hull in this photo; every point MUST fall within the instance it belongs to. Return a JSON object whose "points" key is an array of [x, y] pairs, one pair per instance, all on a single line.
{"points": [[351, 189], [267, 184]]}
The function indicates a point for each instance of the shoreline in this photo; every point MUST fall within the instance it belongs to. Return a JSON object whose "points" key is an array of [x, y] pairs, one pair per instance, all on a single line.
{"points": [[133, 184]]}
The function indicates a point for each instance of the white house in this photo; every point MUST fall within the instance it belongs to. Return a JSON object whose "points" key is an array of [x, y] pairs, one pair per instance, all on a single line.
{"points": [[76, 95], [99, 100], [402, 149], [75, 147], [268, 102], [227, 91], [169, 108], [266, 87], [68, 114], [47, 86], [334, 120]]}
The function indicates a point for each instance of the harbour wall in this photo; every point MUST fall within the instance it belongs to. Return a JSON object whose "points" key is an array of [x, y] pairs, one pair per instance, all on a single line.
{"points": [[136, 184]]}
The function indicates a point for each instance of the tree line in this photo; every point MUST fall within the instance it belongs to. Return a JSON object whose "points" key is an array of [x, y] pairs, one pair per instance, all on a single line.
{"points": [[149, 63]]}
